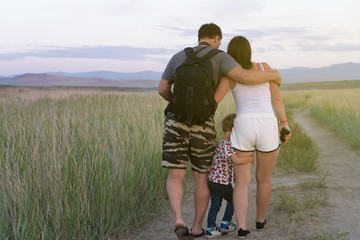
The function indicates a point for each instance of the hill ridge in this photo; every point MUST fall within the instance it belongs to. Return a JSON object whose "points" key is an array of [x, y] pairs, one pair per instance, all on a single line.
{"points": [[146, 79]]}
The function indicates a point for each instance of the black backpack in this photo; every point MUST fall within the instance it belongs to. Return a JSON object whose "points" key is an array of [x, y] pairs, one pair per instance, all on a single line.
{"points": [[193, 98]]}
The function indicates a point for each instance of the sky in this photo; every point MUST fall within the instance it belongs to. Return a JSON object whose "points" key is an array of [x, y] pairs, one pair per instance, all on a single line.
{"points": [[141, 35]]}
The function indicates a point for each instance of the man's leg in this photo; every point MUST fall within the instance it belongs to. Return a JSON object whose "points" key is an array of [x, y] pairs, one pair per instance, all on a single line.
{"points": [[175, 189], [202, 143], [201, 199]]}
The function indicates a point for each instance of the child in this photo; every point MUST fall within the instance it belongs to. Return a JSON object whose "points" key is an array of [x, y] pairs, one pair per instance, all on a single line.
{"points": [[220, 181]]}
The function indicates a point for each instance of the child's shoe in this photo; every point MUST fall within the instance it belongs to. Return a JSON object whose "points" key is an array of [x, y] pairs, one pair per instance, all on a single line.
{"points": [[214, 232], [227, 226]]}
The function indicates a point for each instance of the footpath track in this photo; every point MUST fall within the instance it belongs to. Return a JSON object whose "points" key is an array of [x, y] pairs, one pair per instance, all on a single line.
{"points": [[338, 162], [343, 185]]}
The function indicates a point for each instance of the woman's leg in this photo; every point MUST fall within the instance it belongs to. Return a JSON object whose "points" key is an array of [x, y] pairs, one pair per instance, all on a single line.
{"points": [[241, 190], [265, 163]]}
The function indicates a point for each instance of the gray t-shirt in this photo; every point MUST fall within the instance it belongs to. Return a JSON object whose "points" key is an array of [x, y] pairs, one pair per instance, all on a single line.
{"points": [[222, 63]]}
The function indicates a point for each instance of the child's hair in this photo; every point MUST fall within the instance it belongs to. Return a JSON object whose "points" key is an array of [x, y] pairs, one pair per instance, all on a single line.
{"points": [[228, 122]]}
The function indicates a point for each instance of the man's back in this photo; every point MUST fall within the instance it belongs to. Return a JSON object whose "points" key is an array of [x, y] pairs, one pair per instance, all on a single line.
{"points": [[222, 63], [193, 97]]}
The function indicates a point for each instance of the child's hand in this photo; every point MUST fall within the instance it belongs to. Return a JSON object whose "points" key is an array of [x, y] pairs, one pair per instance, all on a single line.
{"points": [[240, 160]]}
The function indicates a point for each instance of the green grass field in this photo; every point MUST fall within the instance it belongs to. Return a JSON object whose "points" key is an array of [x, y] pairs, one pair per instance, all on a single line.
{"points": [[86, 163], [337, 107], [80, 167]]}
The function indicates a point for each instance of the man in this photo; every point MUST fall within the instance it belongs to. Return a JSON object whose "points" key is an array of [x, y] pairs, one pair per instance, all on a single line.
{"points": [[183, 141]]}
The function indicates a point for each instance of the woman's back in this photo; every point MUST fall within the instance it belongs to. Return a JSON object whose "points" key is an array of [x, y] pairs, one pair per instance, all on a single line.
{"points": [[252, 98]]}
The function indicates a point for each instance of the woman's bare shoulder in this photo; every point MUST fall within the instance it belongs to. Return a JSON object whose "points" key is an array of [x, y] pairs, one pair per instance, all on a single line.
{"points": [[266, 66]]}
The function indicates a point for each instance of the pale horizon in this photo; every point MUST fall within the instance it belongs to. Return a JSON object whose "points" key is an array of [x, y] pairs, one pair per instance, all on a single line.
{"points": [[93, 35]]}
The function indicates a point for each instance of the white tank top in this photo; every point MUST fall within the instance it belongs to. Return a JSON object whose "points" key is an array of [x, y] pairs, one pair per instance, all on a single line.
{"points": [[252, 98]]}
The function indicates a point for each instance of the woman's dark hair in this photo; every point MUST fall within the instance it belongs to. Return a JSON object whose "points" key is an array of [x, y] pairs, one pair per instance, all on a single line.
{"points": [[239, 48], [209, 30]]}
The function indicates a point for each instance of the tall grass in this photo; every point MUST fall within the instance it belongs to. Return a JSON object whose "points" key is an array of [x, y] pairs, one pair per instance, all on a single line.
{"points": [[81, 167], [296, 99], [340, 111], [225, 107], [299, 153], [88, 165], [346, 84]]}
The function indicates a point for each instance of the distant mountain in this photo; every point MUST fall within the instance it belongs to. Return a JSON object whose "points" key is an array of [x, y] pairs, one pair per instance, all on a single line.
{"points": [[150, 79], [144, 75], [46, 80], [344, 71]]}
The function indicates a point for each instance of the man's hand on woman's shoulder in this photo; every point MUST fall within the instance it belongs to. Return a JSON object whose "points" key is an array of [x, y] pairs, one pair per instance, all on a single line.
{"points": [[277, 79]]}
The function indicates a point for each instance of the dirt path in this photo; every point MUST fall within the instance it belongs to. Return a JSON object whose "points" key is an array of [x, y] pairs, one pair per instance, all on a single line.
{"points": [[336, 158], [343, 165]]}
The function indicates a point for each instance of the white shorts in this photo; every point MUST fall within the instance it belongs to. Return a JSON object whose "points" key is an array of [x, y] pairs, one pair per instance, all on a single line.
{"points": [[255, 131]]}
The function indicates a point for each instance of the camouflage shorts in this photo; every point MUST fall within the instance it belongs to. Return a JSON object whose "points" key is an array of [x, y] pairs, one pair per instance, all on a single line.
{"points": [[183, 142]]}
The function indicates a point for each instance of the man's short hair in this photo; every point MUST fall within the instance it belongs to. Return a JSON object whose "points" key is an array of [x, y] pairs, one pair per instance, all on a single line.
{"points": [[227, 122], [209, 30]]}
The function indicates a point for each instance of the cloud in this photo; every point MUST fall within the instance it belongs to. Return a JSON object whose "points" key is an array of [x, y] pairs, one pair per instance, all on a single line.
{"points": [[182, 31], [321, 46], [285, 33], [271, 48], [272, 32], [303, 38], [106, 52]]}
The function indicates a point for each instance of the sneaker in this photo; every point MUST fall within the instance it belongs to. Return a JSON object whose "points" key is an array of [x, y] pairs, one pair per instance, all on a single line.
{"points": [[260, 225], [214, 232], [227, 226], [243, 233]]}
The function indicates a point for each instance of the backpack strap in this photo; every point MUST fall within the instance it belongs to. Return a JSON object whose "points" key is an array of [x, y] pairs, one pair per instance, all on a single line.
{"points": [[212, 53], [189, 52]]}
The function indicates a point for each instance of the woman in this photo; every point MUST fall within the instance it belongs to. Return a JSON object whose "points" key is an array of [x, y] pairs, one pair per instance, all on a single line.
{"points": [[255, 130]]}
